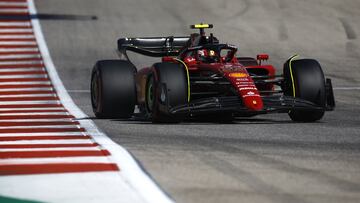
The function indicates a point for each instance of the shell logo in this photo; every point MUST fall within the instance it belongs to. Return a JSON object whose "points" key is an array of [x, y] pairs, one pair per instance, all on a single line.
{"points": [[238, 75]]}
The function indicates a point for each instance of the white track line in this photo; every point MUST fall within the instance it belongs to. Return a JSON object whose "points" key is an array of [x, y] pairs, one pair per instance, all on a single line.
{"points": [[90, 187], [10, 3], [51, 149], [38, 120], [18, 49], [21, 63], [67, 141], [23, 76], [27, 95], [27, 83], [26, 89], [30, 102], [41, 126], [18, 43], [4, 70], [16, 56], [15, 23], [32, 109], [89, 159], [16, 30], [35, 63], [131, 172], [27, 36], [43, 134], [2, 11]]}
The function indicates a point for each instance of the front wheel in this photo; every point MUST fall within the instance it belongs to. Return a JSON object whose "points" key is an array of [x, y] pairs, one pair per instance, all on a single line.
{"points": [[305, 79], [166, 87]]}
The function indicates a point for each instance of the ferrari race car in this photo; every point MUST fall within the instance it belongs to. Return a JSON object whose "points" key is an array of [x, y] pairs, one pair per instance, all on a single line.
{"points": [[200, 77]]}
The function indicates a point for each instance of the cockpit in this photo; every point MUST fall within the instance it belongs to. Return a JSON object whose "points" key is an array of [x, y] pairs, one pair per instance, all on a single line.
{"points": [[206, 49], [210, 53]]}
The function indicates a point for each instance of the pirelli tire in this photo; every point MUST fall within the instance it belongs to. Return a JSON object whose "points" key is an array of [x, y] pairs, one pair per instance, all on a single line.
{"points": [[113, 93], [307, 78], [166, 87]]}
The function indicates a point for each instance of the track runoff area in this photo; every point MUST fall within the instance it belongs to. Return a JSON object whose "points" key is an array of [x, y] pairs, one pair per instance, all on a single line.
{"points": [[49, 150]]}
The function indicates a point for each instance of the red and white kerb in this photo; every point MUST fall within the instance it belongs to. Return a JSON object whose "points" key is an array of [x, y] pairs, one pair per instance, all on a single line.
{"points": [[37, 134]]}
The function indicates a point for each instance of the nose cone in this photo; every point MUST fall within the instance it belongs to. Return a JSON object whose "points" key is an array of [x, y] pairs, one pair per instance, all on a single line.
{"points": [[254, 103], [247, 89]]}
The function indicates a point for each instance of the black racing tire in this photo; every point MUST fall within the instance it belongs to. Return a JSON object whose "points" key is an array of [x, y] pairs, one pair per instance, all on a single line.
{"points": [[309, 83], [174, 77], [113, 93]]}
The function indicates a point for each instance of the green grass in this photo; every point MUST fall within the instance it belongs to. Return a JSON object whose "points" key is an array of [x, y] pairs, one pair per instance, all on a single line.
{"points": [[13, 200]]}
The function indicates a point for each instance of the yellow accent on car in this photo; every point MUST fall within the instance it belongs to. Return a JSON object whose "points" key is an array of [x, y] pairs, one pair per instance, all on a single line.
{"points": [[201, 26], [238, 75], [291, 72], [187, 76]]}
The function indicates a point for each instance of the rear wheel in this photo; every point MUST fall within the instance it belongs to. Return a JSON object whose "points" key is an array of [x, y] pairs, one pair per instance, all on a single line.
{"points": [[166, 87], [305, 79], [113, 93]]}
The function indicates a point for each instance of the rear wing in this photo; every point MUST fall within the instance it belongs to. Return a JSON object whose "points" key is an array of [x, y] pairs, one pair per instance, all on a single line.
{"points": [[153, 46]]}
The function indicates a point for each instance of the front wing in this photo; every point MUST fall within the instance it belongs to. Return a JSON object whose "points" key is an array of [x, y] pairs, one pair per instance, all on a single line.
{"points": [[279, 104], [233, 104]]}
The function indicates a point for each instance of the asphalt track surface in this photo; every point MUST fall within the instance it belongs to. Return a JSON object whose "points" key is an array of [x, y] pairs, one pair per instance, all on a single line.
{"points": [[261, 159]]}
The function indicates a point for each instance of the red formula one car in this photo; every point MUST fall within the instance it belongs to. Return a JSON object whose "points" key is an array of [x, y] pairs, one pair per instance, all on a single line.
{"points": [[200, 77]]}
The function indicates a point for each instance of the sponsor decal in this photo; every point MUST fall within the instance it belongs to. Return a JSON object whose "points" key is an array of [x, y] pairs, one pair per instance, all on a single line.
{"points": [[238, 75], [250, 93], [242, 79], [247, 88], [254, 95], [244, 85]]}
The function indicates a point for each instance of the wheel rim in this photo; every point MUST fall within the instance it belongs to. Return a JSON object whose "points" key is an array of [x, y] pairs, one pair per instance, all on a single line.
{"points": [[150, 94]]}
